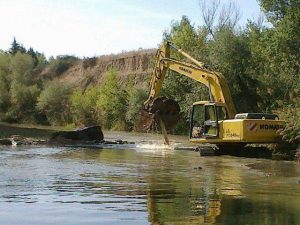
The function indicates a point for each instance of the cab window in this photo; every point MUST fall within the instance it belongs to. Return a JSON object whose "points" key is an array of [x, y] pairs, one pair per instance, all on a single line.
{"points": [[210, 124], [222, 113], [197, 121], [210, 114]]}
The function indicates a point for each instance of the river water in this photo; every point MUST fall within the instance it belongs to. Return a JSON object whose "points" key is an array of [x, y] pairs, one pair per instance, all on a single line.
{"points": [[144, 183]]}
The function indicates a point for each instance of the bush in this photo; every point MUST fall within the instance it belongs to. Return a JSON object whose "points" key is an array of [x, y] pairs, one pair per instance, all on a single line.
{"points": [[291, 132], [61, 64], [84, 107], [61, 67], [23, 101], [18, 91], [4, 96], [89, 62], [21, 66], [113, 102], [54, 103], [136, 98]]}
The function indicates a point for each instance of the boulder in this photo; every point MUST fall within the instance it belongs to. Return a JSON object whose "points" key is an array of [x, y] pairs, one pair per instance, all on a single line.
{"points": [[93, 133]]}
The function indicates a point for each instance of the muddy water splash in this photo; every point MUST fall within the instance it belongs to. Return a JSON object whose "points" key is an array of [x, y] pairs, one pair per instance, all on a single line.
{"points": [[144, 183]]}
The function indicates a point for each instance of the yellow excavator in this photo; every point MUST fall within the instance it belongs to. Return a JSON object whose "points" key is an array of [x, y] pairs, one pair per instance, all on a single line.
{"points": [[214, 121]]}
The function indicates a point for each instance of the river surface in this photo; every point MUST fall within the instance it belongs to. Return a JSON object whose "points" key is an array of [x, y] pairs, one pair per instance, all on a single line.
{"points": [[144, 183]]}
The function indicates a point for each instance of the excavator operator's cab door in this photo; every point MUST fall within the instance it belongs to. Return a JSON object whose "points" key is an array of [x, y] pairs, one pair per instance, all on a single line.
{"points": [[204, 121]]}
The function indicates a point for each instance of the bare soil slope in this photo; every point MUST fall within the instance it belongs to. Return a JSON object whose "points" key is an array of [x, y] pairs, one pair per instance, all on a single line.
{"points": [[85, 72]]}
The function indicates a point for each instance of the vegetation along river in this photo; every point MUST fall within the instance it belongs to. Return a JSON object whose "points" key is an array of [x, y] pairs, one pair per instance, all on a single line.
{"points": [[144, 183]]}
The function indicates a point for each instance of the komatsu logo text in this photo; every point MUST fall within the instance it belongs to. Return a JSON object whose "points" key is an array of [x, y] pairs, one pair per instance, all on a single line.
{"points": [[185, 70], [270, 127]]}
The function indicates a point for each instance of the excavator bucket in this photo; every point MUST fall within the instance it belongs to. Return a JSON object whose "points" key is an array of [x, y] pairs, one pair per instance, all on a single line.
{"points": [[159, 110]]}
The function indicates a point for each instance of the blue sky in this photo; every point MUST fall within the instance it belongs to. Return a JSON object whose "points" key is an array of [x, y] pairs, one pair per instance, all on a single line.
{"points": [[96, 27]]}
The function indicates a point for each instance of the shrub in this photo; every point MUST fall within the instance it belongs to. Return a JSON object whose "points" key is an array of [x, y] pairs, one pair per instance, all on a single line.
{"points": [[113, 101], [84, 107], [54, 103], [291, 132], [136, 98], [61, 64], [21, 66], [89, 62], [23, 101]]}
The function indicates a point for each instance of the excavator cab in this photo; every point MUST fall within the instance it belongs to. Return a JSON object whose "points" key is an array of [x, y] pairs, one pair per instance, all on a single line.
{"points": [[205, 119]]}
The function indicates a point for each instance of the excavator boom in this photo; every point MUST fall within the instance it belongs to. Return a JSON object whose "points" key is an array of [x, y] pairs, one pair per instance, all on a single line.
{"points": [[215, 82]]}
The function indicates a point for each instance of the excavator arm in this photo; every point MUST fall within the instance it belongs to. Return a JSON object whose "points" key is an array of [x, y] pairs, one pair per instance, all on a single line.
{"points": [[167, 110], [217, 85]]}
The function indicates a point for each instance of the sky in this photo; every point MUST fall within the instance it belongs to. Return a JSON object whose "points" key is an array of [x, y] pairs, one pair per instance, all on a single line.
{"points": [[87, 28]]}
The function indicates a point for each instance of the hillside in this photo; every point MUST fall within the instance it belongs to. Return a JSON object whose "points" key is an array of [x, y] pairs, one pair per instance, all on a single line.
{"points": [[84, 72]]}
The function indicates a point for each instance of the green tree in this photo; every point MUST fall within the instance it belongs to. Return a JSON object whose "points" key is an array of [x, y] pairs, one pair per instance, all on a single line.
{"points": [[136, 97], [229, 54], [4, 96], [4, 83], [54, 103], [61, 64], [275, 60], [34, 56], [23, 101], [16, 47], [113, 102], [276, 10], [17, 81], [276, 52], [183, 34], [21, 67], [84, 107]]}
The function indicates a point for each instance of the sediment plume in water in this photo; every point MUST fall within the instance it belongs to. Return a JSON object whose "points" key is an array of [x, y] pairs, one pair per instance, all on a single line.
{"points": [[153, 146]]}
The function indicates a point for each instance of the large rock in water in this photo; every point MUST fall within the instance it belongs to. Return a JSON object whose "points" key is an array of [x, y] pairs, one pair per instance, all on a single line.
{"points": [[93, 133]]}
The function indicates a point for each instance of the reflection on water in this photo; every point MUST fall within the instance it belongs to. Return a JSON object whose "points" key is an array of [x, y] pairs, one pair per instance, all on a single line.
{"points": [[144, 184]]}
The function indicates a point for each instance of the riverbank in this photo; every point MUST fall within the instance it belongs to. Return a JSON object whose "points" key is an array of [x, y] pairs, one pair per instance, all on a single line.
{"points": [[40, 132], [27, 130]]}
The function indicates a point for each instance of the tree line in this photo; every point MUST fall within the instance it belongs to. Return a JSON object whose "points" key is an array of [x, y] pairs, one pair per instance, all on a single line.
{"points": [[27, 97], [261, 61]]}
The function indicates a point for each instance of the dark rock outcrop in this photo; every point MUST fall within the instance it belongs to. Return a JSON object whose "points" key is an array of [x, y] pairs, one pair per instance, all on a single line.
{"points": [[93, 133], [90, 137], [15, 140]]}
